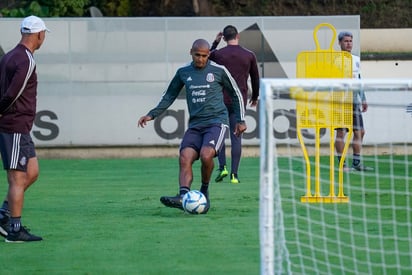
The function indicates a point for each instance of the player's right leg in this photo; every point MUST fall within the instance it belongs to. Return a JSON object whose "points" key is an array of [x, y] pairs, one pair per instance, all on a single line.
{"points": [[19, 159], [16, 231], [188, 153], [222, 170], [213, 140], [236, 151], [358, 133], [340, 145]]}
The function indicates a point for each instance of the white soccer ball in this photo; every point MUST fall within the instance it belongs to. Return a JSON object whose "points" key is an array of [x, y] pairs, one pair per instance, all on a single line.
{"points": [[194, 202]]}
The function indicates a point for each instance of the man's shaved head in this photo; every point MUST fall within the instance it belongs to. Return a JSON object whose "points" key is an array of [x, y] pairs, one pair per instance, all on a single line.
{"points": [[200, 53], [200, 44]]}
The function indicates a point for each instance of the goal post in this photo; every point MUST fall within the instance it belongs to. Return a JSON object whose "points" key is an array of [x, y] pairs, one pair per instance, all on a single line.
{"points": [[273, 252], [372, 232]]}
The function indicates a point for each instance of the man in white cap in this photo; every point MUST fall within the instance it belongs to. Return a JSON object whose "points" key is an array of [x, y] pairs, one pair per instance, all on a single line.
{"points": [[18, 92]]}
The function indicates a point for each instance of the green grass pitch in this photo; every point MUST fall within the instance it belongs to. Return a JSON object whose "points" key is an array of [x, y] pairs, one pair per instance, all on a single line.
{"points": [[105, 217]]}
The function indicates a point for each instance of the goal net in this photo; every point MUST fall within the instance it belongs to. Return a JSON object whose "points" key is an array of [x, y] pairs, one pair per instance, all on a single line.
{"points": [[315, 216]]}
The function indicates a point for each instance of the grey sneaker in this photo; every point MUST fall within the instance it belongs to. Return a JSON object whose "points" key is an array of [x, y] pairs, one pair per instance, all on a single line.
{"points": [[22, 236]]}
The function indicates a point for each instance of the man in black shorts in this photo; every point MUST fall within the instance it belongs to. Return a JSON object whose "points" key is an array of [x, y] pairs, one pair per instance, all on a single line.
{"points": [[18, 92], [204, 81]]}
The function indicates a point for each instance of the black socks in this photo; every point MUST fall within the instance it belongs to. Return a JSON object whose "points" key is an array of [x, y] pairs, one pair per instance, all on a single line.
{"points": [[204, 188], [183, 190]]}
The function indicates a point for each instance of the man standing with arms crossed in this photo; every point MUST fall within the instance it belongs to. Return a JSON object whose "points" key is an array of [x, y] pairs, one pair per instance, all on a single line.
{"points": [[204, 81], [241, 64], [18, 92], [359, 105]]}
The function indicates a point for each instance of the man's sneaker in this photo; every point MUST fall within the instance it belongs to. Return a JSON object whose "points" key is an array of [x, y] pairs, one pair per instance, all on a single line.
{"points": [[234, 179], [174, 202], [360, 167], [222, 174], [4, 224], [22, 236], [346, 168]]}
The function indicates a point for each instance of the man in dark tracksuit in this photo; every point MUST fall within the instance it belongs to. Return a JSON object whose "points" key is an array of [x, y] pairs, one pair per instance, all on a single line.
{"points": [[18, 92], [204, 81], [241, 64]]}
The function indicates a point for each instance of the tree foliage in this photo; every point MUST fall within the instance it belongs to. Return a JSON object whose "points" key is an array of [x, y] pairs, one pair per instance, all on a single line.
{"points": [[373, 13], [46, 8]]}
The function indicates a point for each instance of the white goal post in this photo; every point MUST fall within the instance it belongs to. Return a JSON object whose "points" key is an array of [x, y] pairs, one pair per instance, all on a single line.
{"points": [[370, 232]]}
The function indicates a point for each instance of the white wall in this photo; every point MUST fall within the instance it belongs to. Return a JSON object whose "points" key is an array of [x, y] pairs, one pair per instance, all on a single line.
{"points": [[386, 40], [387, 69], [97, 76]]}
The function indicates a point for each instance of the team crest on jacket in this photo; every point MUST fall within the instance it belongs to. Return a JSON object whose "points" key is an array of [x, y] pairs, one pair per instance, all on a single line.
{"points": [[210, 77]]}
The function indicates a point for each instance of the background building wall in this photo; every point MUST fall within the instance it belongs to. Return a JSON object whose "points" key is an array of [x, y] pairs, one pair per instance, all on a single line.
{"points": [[97, 76]]}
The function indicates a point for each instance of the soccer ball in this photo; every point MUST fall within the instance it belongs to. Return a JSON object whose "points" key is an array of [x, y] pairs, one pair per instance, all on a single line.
{"points": [[194, 202]]}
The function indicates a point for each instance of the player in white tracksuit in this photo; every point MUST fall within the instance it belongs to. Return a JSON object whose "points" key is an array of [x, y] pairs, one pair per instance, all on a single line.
{"points": [[359, 105]]}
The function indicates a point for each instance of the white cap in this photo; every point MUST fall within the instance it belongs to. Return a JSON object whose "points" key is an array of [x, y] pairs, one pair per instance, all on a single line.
{"points": [[33, 24]]}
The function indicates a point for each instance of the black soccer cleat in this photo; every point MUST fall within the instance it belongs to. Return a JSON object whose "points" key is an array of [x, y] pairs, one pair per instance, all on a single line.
{"points": [[173, 202], [4, 224], [22, 236]]}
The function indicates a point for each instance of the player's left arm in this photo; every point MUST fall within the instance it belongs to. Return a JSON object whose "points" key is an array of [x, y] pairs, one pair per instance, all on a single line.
{"points": [[255, 81], [168, 97], [233, 90], [362, 95], [364, 103], [23, 71], [216, 41], [143, 121]]}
